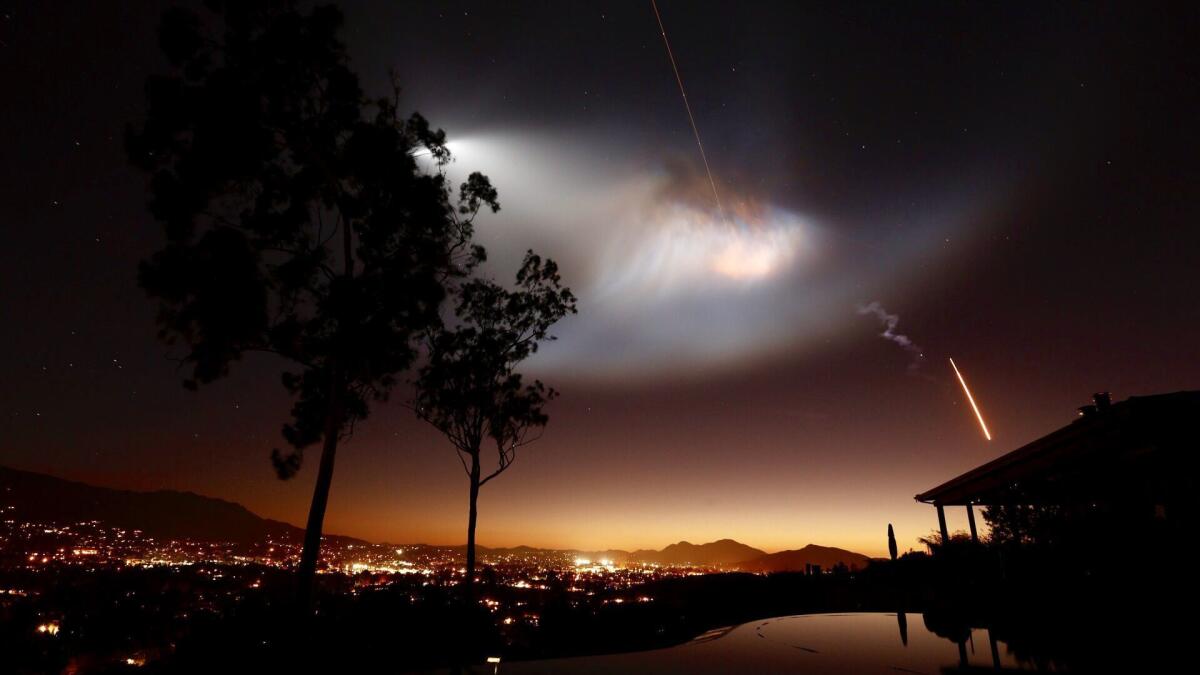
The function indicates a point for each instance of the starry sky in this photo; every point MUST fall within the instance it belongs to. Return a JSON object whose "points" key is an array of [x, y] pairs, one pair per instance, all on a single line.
{"points": [[1013, 186]]}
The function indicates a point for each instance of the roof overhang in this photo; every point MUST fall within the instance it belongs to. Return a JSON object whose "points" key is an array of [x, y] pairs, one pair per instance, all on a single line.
{"points": [[1079, 459]]}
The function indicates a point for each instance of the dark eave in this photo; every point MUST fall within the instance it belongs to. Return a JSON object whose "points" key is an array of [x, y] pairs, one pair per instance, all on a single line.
{"points": [[1123, 428]]}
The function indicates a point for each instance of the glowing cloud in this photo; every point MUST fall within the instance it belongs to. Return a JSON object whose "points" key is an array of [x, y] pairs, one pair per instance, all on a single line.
{"points": [[751, 258], [679, 249], [665, 283]]}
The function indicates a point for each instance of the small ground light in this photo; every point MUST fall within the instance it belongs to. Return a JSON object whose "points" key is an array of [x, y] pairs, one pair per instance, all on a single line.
{"points": [[495, 661]]}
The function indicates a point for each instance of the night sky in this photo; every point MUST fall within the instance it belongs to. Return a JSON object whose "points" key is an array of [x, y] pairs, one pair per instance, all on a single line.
{"points": [[1018, 183]]}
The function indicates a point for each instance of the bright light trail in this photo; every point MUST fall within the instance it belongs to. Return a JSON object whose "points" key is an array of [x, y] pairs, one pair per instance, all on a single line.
{"points": [[688, 107], [979, 415]]}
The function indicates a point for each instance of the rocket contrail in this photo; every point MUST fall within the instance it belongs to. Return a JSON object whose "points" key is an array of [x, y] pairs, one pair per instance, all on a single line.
{"points": [[890, 322], [688, 107], [979, 415]]}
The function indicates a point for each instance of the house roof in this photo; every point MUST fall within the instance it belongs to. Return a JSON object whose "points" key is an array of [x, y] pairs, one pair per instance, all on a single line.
{"points": [[1074, 462]]}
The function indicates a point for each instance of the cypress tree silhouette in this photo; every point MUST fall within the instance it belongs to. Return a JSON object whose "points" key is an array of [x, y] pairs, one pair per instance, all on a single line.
{"points": [[299, 221], [469, 388]]}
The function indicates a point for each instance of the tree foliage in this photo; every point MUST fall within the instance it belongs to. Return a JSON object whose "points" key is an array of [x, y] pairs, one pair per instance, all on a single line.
{"points": [[299, 219], [469, 388], [1024, 524]]}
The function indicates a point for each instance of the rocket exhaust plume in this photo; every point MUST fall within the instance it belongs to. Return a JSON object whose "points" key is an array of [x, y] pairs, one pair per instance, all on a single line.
{"points": [[889, 323], [978, 415]]}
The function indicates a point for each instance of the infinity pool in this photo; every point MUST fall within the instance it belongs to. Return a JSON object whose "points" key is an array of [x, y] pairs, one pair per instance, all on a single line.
{"points": [[811, 643]]}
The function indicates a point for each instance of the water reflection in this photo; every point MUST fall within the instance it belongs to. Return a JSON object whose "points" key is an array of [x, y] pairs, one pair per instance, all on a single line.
{"points": [[815, 643]]}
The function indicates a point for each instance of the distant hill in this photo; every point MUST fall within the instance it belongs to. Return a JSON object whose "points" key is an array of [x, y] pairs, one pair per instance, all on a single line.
{"points": [[794, 561], [721, 552], [163, 514], [613, 555], [724, 552]]}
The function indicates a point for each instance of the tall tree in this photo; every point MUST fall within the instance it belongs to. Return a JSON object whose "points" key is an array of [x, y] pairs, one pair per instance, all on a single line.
{"points": [[299, 220], [469, 388]]}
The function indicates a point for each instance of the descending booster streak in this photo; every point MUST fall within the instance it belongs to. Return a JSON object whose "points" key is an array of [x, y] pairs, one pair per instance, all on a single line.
{"points": [[687, 106], [971, 399]]}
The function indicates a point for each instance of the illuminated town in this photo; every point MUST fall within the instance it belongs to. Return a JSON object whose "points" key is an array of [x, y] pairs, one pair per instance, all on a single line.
{"points": [[171, 582], [94, 546]]}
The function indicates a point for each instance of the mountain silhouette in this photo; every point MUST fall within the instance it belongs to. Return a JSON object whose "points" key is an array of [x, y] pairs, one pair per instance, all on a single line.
{"points": [[171, 514], [724, 552], [721, 552], [794, 561], [162, 514]]}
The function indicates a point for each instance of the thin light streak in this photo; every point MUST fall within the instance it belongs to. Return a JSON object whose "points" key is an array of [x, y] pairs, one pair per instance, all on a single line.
{"points": [[688, 107], [979, 415]]}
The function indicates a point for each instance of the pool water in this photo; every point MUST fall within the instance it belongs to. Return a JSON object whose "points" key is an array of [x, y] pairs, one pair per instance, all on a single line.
{"points": [[811, 643]]}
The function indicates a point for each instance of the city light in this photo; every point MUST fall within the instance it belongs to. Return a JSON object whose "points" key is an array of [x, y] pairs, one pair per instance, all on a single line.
{"points": [[224, 574]]}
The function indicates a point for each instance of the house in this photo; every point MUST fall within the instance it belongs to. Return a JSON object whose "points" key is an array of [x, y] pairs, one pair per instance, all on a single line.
{"points": [[1136, 458]]}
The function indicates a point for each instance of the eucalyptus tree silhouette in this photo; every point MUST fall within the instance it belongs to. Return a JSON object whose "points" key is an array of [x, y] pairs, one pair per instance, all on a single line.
{"points": [[299, 220], [469, 388]]}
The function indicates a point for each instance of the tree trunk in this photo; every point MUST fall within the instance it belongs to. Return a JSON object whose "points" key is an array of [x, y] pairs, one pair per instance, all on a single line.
{"points": [[469, 587], [306, 573]]}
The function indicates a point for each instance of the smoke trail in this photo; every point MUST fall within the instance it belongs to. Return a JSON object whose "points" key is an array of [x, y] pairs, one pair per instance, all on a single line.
{"points": [[889, 322]]}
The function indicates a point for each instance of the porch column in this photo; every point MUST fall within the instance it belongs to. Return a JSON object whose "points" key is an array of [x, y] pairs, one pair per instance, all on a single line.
{"points": [[942, 523], [971, 521]]}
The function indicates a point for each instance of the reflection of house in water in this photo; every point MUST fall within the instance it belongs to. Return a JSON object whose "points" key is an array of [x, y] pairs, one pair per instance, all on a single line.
{"points": [[1132, 461]]}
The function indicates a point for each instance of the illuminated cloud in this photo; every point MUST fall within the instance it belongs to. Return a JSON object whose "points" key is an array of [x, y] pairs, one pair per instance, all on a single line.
{"points": [[676, 248], [666, 284]]}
